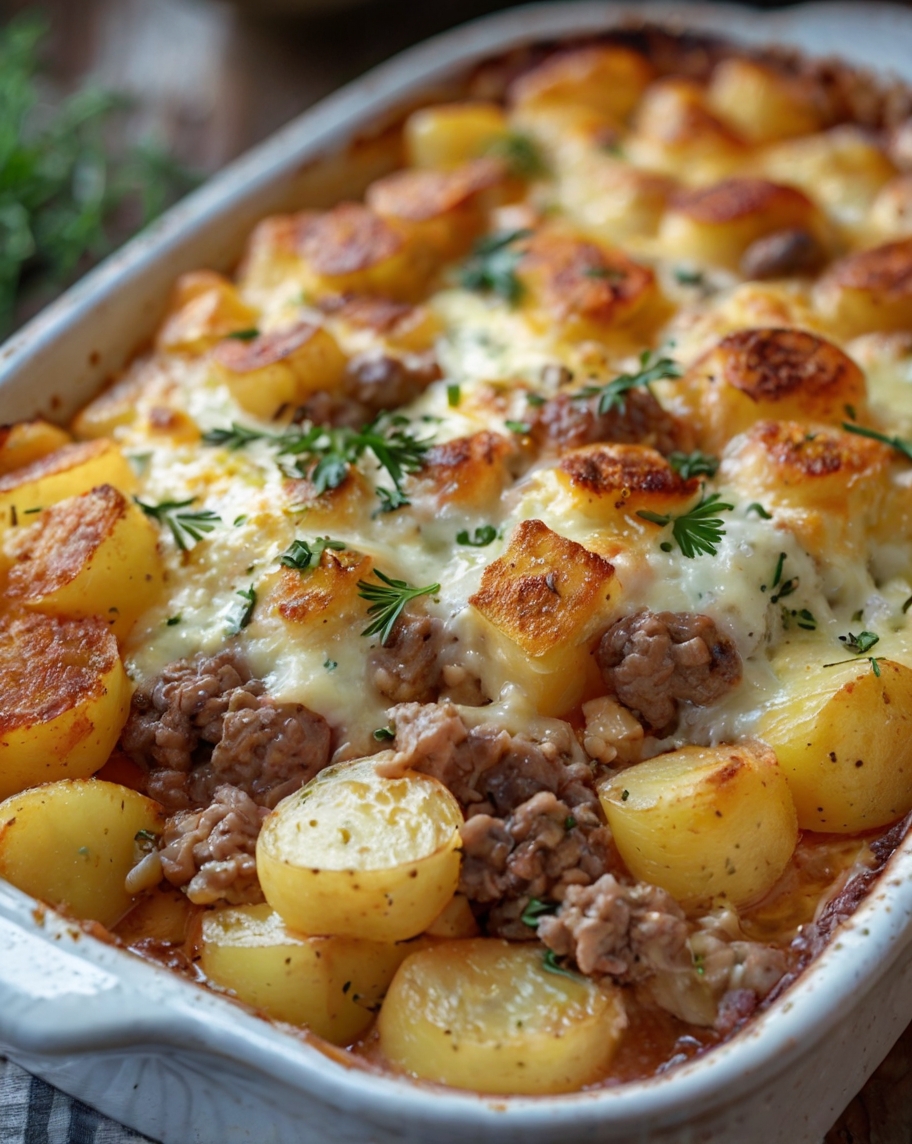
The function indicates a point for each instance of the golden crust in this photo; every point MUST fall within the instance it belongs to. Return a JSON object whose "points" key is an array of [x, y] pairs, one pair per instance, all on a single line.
{"points": [[734, 199], [348, 239]]}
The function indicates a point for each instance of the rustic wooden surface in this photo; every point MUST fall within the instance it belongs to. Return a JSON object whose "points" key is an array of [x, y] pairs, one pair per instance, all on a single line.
{"points": [[210, 78]]}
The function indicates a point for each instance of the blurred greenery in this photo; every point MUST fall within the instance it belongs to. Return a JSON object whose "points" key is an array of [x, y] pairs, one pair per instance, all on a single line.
{"points": [[69, 190]]}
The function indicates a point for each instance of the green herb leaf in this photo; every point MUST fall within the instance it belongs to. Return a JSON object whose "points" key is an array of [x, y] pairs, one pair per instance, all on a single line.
{"points": [[861, 643], [249, 595], [173, 621], [685, 277], [520, 427], [551, 965], [696, 532], [390, 499], [481, 538], [387, 601], [521, 154], [454, 396], [330, 664], [491, 268], [384, 734], [897, 443], [244, 335], [695, 464], [758, 508], [236, 437], [612, 395], [184, 526], [306, 556], [536, 908]]}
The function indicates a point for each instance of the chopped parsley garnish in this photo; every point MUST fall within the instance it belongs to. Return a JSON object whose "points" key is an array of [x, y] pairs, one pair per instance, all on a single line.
{"points": [[250, 598], [625, 794], [685, 277], [244, 335], [786, 587], [330, 664], [390, 499], [521, 154], [305, 555], [861, 643], [695, 464], [520, 427], [696, 532], [384, 734], [897, 443], [612, 395], [184, 526], [173, 621], [239, 520], [481, 538], [236, 437], [144, 836], [535, 400], [758, 508], [535, 908], [491, 268], [387, 601], [454, 396], [569, 822], [805, 620], [551, 965]]}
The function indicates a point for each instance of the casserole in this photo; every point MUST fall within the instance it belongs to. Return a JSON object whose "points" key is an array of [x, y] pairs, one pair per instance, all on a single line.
{"points": [[586, 1113]]}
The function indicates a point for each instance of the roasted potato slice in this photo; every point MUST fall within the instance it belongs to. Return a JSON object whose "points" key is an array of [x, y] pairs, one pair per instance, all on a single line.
{"points": [[843, 735], [487, 1015], [761, 103], [28, 441], [65, 698], [331, 985], [205, 307], [72, 843], [608, 80], [704, 823], [450, 134], [91, 555], [360, 855], [869, 290]]}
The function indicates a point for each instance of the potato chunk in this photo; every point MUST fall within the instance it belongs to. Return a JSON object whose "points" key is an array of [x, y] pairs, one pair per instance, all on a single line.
{"points": [[356, 854], [762, 104], [704, 823], [717, 224], [843, 735], [67, 472], [28, 441], [870, 290], [780, 373], [607, 79], [91, 555], [330, 984], [486, 1015], [449, 134], [205, 308], [542, 602], [281, 368], [65, 699], [72, 843]]}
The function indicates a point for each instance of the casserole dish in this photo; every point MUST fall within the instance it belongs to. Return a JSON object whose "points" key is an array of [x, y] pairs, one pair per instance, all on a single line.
{"points": [[160, 1013]]}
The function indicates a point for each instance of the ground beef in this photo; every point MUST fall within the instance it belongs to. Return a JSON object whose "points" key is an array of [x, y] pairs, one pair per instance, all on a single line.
{"points": [[210, 853], [487, 769], [652, 661], [566, 422], [380, 381], [620, 931], [541, 850], [407, 669], [204, 722]]}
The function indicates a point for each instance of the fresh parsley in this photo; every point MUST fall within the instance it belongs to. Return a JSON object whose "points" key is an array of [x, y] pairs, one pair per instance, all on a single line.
{"points": [[685, 277], [551, 965], [758, 508], [536, 908], [305, 555], [521, 154], [183, 526], [860, 644], [696, 532], [384, 734], [454, 395], [491, 267], [897, 443], [244, 335], [249, 596], [236, 437], [695, 464], [387, 599], [613, 395], [481, 538], [521, 428]]}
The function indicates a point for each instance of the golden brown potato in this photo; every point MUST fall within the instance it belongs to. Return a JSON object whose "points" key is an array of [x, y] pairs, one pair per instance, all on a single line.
{"points": [[360, 855], [65, 698], [758, 374], [396, 325], [486, 1015], [72, 843], [891, 211], [91, 555], [331, 985], [541, 603], [205, 307], [762, 103], [162, 914], [609, 197], [718, 223], [827, 486], [274, 370], [465, 471], [842, 735], [869, 290], [447, 135], [704, 823], [28, 441], [67, 472], [324, 599], [608, 80]]}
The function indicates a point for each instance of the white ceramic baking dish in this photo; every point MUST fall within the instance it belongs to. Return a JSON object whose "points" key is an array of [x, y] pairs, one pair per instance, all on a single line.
{"points": [[189, 1067]]}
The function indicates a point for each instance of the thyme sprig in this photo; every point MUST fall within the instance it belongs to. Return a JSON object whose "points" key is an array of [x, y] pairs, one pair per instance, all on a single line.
{"points": [[388, 598], [184, 526], [491, 267], [696, 532], [305, 555], [860, 645], [897, 443], [695, 464], [613, 395]]}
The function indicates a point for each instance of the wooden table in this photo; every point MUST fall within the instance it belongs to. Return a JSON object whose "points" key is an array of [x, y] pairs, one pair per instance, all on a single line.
{"points": [[211, 78]]}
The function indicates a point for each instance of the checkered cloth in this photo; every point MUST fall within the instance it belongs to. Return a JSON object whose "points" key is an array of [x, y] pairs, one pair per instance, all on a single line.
{"points": [[31, 1112]]}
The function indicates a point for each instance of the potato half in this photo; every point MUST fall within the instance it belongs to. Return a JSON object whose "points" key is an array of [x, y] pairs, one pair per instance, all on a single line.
{"points": [[487, 1015], [73, 843], [65, 699], [843, 736], [333, 985], [704, 822], [361, 855]]}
